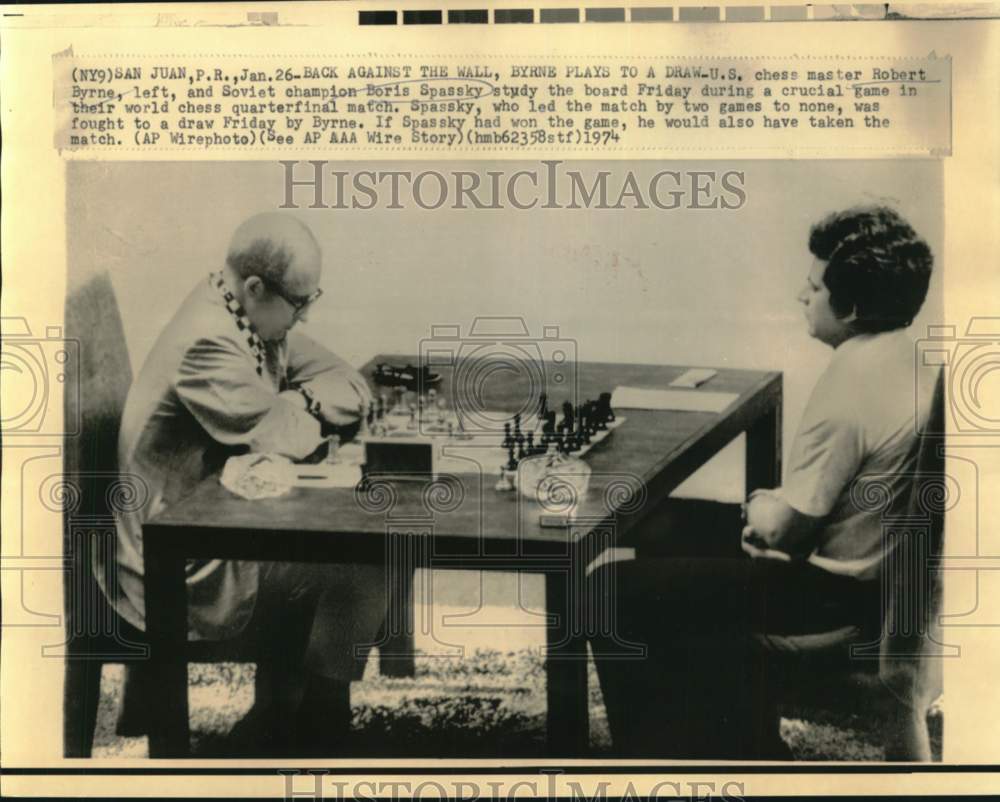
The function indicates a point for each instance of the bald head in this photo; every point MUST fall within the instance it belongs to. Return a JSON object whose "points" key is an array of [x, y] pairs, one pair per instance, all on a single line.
{"points": [[279, 249]]}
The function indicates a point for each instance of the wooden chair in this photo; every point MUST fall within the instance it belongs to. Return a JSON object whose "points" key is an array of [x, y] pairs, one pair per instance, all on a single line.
{"points": [[95, 633]]}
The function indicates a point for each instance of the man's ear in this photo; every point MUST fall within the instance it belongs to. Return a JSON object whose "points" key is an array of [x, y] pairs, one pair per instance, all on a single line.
{"points": [[851, 317], [254, 287]]}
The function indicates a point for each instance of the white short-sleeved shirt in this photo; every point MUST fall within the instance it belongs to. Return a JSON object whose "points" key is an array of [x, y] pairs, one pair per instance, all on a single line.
{"points": [[856, 447]]}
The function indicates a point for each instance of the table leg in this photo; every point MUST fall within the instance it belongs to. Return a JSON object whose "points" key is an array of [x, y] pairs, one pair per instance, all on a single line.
{"points": [[567, 720], [166, 628], [396, 641], [763, 449]]}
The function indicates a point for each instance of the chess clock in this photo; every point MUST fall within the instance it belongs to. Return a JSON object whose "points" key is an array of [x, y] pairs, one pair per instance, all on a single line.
{"points": [[410, 457]]}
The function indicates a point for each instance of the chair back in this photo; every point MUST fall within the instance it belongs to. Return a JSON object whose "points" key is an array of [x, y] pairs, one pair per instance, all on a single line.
{"points": [[90, 463], [910, 653]]}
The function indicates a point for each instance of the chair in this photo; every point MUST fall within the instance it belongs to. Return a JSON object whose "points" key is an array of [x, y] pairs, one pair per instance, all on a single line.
{"points": [[891, 675], [95, 633], [895, 678]]}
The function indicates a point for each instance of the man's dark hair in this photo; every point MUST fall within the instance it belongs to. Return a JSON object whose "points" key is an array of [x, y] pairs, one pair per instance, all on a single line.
{"points": [[877, 267]]}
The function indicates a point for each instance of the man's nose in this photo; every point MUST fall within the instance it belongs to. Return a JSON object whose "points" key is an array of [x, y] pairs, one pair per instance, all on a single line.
{"points": [[801, 297]]}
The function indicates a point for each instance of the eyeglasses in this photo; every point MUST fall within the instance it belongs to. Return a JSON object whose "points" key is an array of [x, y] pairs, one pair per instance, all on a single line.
{"points": [[298, 303]]}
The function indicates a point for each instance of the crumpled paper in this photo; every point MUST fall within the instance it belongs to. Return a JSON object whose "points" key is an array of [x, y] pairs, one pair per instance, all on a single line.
{"points": [[256, 476]]}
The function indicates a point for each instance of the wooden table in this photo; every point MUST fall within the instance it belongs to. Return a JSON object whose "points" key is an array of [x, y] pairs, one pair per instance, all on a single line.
{"points": [[463, 523]]}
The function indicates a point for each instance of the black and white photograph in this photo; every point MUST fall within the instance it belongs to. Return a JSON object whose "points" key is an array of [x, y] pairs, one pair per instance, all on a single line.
{"points": [[506, 459]]}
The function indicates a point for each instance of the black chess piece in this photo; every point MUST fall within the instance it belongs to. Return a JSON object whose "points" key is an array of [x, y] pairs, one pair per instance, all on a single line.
{"points": [[549, 427], [530, 446], [605, 414], [507, 439], [543, 406], [511, 461], [575, 442], [566, 425]]}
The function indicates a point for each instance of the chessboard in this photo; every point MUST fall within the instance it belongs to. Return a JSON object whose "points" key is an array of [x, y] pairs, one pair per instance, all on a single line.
{"points": [[423, 435]]}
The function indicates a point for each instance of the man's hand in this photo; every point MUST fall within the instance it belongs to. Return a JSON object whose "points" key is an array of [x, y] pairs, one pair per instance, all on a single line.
{"points": [[757, 547], [774, 525], [295, 398]]}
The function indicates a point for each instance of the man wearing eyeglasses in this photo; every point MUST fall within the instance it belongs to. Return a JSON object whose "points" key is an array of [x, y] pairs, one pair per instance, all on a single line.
{"points": [[228, 375]]}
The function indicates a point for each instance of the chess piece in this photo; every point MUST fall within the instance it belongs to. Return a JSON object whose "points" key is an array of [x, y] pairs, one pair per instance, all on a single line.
{"points": [[605, 414], [549, 427], [511, 462], [543, 406], [507, 480], [566, 425], [518, 436], [573, 442], [507, 439]]}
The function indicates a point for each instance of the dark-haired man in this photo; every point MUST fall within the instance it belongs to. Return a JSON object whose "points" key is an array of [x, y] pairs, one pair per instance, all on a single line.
{"points": [[815, 545], [230, 374]]}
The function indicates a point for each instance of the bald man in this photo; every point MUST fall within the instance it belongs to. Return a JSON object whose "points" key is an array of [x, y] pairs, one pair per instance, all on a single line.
{"points": [[228, 375]]}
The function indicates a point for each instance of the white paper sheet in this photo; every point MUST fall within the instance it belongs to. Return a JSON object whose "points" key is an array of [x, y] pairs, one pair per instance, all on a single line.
{"points": [[681, 400]]}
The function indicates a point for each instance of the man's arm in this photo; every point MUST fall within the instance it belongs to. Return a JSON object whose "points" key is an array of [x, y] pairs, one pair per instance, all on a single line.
{"points": [[826, 456], [218, 383], [340, 392], [772, 523]]}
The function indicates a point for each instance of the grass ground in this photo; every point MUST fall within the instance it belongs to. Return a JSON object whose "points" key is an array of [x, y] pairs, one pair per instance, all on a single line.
{"points": [[488, 704]]}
